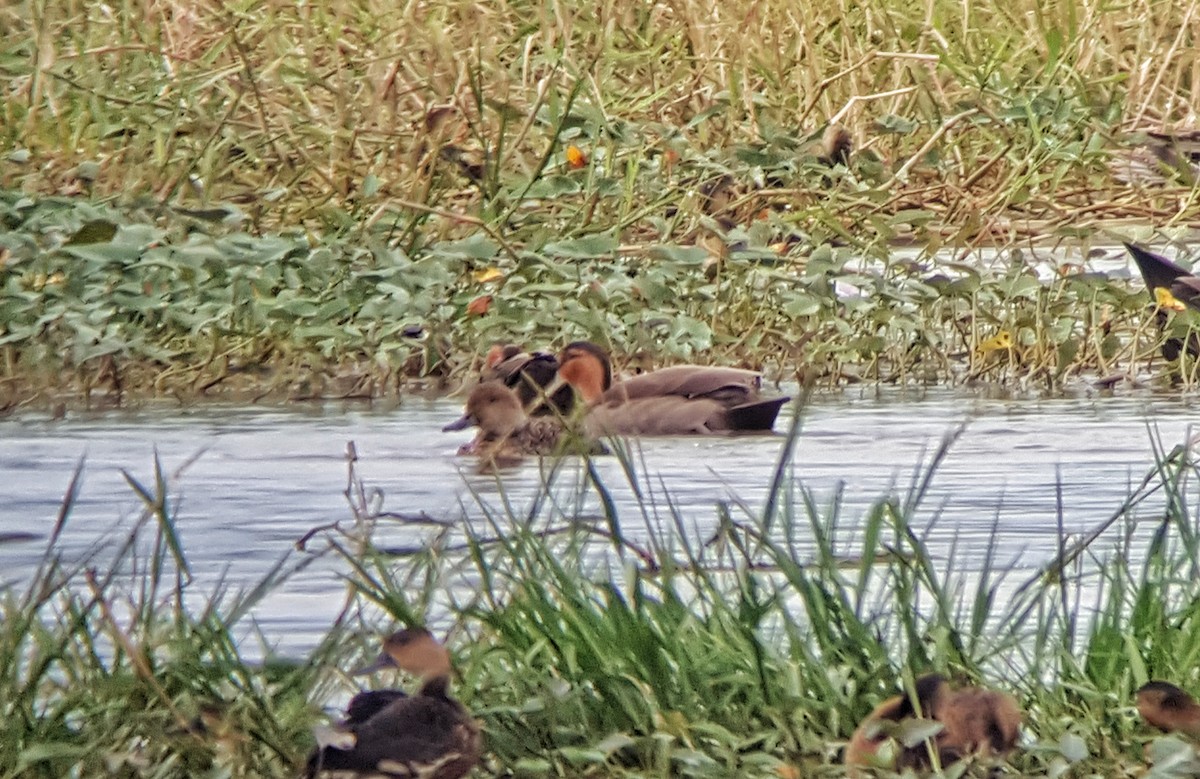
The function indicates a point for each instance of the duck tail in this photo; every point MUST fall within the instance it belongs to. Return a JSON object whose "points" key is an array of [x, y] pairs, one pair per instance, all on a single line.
{"points": [[1157, 271], [759, 415]]}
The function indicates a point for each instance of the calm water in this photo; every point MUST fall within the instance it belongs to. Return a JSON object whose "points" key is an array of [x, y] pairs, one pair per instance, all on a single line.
{"points": [[264, 477]]}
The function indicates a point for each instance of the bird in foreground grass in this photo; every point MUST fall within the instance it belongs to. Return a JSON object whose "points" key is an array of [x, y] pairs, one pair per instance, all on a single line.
{"points": [[1169, 708], [390, 735], [973, 720]]}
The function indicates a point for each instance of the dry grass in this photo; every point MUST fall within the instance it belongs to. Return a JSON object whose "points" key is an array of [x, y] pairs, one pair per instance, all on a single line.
{"points": [[331, 113]]}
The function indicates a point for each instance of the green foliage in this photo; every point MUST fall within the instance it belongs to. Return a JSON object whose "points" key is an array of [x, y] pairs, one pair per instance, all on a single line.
{"points": [[92, 298], [106, 671], [613, 645], [625, 645], [649, 177], [332, 116]]}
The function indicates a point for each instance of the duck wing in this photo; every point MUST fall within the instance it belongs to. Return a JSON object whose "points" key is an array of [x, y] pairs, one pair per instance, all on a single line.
{"points": [[661, 415], [369, 703], [730, 386], [529, 374], [1187, 289], [420, 736]]}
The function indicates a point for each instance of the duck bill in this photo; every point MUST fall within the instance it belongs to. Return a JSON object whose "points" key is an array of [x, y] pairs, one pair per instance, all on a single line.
{"points": [[383, 662], [462, 423]]}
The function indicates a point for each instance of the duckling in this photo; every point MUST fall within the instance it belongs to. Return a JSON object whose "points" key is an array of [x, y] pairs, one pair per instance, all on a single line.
{"points": [[1174, 289], [505, 432], [974, 720], [530, 375], [683, 399], [1168, 708], [391, 735]]}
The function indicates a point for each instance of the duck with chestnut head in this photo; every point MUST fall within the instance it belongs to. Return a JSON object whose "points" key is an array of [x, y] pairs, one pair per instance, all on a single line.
{"points": [[530, 375], [390, 735], [1169, 708], [679, 400]]}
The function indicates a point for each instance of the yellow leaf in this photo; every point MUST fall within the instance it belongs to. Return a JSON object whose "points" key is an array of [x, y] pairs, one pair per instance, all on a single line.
{"points": [[1164, 299], [487, 274], [1001, 340]]}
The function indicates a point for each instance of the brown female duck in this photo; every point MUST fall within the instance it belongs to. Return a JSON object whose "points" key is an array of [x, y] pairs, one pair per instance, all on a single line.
{"points": [[506, 432], [388, 735], [1168, 708], [683, 399], [973, 720]]}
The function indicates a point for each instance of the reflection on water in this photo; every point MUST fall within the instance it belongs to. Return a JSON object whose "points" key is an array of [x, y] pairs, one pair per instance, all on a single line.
{"points": [[262, 478]]}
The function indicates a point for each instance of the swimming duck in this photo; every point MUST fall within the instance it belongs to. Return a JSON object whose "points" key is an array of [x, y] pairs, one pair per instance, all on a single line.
{"points": [[530, 375], [682, 399], [506, 432], [974, 721], [1168, 708], [1174, 289], [389, 734]]}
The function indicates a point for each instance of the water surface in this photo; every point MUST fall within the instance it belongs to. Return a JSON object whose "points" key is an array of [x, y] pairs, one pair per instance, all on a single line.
{"points": [[263, 477]]}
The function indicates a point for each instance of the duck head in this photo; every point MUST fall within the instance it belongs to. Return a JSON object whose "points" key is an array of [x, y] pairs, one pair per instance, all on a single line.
{"points": [[1167, 707], [586, 367], [499, 353], [414, 651], [494, 409]]}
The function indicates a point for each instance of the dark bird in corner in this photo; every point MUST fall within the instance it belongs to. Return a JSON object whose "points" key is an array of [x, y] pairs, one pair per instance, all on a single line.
{"points": [[1173, 288]]}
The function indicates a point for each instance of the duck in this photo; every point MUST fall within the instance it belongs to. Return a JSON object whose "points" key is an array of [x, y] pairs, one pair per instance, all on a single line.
{"points": [[530, 375], [679, 400], [506, 432], [1168, 708], [389, 734], [1159, 273], [974, 720], [1173, 288], [1156, 158]]}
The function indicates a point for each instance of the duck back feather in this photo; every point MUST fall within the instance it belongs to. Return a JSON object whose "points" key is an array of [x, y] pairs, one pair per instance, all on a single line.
{"points": [[427, 735]]}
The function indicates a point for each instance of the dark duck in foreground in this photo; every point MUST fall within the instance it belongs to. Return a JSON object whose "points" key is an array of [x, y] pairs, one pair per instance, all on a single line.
{"points": [[506, 432], [974, 721], [390, 735], [1173, 288], [683, 399]]}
